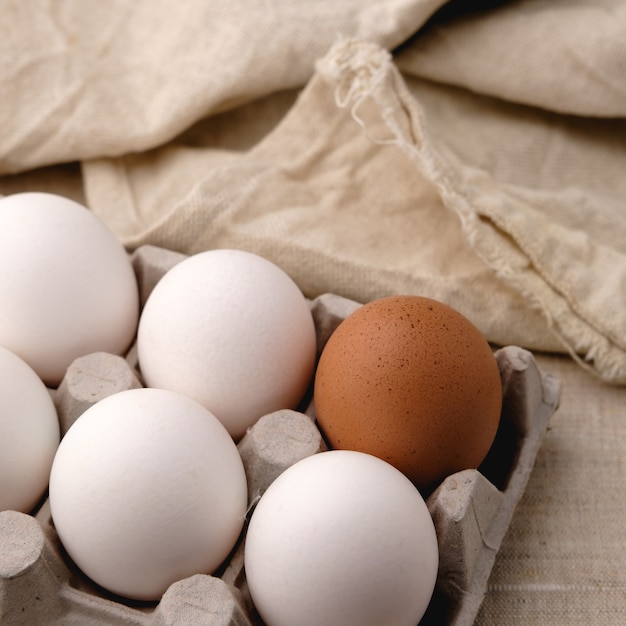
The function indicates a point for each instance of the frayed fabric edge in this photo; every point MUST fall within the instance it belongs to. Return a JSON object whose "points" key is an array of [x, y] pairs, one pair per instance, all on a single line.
{"points": [[361, 70]]}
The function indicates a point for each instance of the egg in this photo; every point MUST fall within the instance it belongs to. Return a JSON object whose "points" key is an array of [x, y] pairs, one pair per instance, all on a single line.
{"points": [[231, 330], [342, 538], [67, 287], [29, 434], [147, 487], [412, 381]]}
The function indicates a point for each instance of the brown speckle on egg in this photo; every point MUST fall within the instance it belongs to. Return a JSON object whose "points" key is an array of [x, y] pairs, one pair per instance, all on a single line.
{"points": [[412, 381]]}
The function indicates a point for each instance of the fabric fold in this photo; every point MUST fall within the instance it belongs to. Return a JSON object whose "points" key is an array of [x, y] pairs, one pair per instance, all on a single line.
{"points": [[126, 77], [560, 56], [577, 284], [352, 193]]}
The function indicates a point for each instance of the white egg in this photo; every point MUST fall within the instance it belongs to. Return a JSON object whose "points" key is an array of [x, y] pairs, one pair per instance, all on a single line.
{"points": [[147, 488], [29, 434], [67, 287], [231, 330], [341, 538]]}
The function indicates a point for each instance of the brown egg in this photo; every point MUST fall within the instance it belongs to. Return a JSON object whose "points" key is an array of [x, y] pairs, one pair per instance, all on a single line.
{"points": [[411, 381]]}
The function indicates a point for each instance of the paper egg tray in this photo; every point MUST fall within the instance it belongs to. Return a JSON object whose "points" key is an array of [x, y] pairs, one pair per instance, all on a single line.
{"points": [[471, 509]]}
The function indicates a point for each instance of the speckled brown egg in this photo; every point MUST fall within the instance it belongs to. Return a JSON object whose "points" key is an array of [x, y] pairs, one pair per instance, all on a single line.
{"points": [[411, 381]]}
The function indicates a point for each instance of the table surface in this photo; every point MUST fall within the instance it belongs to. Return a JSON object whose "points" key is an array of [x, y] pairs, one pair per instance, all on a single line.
{"points": [[562, 561]]}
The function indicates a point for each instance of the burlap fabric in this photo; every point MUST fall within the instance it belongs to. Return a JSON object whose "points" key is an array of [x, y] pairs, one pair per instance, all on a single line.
{"points": [[372, 148]]}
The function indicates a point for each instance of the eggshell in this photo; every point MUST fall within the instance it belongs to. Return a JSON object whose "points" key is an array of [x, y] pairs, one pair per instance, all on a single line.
{"points": [[231, 330], [67, 287], [29, 434], [412, 381], [341, 538], [147, 488]]}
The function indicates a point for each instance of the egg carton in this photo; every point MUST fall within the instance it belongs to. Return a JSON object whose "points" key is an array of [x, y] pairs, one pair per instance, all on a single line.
{"points": [[39, 584]]}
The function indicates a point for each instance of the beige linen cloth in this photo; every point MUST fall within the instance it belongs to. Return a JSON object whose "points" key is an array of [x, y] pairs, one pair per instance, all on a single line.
{"points": [[373, 147]]}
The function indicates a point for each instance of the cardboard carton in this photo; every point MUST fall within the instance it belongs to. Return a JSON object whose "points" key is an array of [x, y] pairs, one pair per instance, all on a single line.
{"points": [[39, 585]]}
